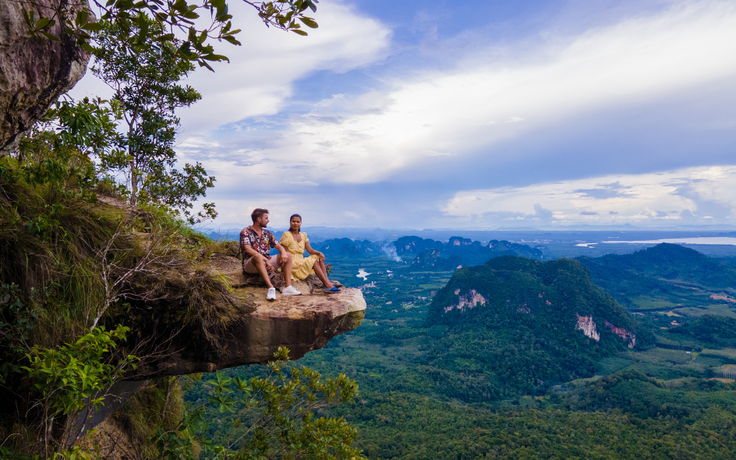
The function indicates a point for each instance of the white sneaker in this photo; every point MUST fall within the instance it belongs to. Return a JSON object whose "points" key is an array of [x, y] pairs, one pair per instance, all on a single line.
{"points": [[290, 290], [271, 294]]}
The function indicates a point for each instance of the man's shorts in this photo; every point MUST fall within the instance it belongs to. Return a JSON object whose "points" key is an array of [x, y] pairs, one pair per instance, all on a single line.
{"points": [[250, 264]]}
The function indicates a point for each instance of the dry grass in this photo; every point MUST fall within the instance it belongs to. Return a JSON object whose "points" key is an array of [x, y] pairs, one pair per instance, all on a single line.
{"points": [[70, 257]]}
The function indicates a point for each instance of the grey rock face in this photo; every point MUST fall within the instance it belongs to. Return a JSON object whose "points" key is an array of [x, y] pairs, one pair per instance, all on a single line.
{"points": [[34, 71]]}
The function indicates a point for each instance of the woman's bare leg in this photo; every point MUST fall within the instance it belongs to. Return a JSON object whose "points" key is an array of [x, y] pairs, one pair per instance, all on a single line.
{"points": [[322, 274], [324, 269]]}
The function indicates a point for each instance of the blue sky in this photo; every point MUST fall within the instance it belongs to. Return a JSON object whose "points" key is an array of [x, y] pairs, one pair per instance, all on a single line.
{"points": [[439, 114]]}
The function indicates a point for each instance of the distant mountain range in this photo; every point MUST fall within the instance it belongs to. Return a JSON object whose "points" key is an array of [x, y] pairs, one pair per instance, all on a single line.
{"points": [[428, 254], [342, 247], [458, 252]]}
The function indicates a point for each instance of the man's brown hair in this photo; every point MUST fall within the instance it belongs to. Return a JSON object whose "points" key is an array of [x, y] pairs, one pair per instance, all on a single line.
{"points": [[258, 212]]}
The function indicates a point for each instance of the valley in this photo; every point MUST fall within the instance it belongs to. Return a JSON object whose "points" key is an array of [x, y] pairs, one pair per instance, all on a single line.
{"points": [[494, 386]]}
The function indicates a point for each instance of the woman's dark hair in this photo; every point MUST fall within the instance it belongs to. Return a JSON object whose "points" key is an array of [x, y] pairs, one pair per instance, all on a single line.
{"points": [[295, 215]]}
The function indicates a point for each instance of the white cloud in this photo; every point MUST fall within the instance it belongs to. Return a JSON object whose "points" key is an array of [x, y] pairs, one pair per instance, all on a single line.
{"points": [[676, 196], [258, 80], [638, 61]]}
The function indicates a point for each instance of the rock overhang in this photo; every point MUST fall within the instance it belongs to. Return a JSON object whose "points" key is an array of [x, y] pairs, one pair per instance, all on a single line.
{"points": [[300, 323]]}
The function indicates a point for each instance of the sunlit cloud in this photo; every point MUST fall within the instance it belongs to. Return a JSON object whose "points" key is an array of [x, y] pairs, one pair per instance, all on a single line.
{"points": [[687, 196], [259, 78], [485, 99], [431, 142]]}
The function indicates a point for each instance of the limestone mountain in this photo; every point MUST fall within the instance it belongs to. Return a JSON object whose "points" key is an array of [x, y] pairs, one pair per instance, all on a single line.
{"points": [[520, 325], [411, 245], [463, 251], [345, 247]]}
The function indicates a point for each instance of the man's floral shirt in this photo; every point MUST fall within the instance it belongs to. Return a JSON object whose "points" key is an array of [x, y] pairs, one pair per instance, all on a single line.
{"points": [[262, 244]]}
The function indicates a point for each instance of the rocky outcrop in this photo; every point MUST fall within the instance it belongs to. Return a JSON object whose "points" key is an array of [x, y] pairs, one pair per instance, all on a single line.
{"points": [[34, 71], [628, 336], [299, 323], [588, 326], [469, 300]]}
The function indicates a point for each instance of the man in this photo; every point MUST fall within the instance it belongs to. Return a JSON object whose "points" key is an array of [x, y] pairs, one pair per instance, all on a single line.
{"points": [[256, 243]]}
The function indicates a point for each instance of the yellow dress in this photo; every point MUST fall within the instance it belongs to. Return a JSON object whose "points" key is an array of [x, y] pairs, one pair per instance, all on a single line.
{"points": [[300, 267]]}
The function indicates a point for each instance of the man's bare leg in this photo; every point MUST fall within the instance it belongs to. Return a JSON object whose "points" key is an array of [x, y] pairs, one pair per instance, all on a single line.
{"points": [[285, 263], [263, 271]]}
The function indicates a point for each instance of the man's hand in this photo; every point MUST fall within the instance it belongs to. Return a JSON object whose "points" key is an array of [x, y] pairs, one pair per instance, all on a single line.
{"points": [[265, 260]]}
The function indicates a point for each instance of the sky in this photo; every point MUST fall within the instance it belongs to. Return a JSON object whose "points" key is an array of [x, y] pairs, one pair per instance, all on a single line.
{"points": [[483, 115]]}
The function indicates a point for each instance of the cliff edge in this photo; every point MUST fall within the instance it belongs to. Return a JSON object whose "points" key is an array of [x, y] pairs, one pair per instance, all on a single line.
{"points": [[299, 323]]}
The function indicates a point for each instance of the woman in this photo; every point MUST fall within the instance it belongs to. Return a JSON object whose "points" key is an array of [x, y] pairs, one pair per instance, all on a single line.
{"points": [[296, 242]]}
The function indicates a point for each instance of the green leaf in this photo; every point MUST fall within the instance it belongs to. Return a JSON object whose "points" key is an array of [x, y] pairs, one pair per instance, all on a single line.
{"points": [[50, 37], [29, 17], [44, 22], [230, 39], [309, 22], [82, 17], [93, 26]]}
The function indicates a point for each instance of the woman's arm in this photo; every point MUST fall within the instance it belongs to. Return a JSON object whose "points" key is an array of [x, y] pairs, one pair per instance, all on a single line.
{"points": [[311, 251], [285, 241]]}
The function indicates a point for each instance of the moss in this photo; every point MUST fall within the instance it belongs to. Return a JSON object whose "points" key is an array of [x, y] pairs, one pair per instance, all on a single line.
{"points": [[159, 404]]}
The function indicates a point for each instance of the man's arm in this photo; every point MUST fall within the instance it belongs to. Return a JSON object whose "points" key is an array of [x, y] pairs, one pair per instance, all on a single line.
{"points": [[281, 249], [250, 250]]}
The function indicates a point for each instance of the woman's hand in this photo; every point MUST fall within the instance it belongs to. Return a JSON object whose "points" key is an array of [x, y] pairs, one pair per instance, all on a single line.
{"points": [[321, 257]]}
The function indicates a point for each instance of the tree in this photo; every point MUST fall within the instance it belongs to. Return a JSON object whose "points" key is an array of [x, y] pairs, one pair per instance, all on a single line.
{"points": [[170, 16], [147, 88], [274, 416]]}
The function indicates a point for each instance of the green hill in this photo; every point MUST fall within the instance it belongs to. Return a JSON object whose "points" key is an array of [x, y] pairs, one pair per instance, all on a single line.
{"points": [[711, 329], [520, 325], [669, 272]]}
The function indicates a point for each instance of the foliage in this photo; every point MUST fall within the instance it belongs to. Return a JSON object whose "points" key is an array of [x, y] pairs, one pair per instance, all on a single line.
{"points": [[50, 240], [277, 415], [156, 411], [58, 150], [412, 426], [181, 16], [70, 381], [76, 372], [70, 267], [668, 271], [16, 323], [717, 330], [148, 91]]}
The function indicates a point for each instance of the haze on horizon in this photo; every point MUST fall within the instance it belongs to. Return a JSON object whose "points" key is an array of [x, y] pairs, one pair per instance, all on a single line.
{"points": [[439, 114]]}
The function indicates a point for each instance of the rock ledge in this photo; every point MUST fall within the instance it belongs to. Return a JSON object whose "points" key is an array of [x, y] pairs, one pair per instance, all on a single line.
{"points": [[300, 323]]}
